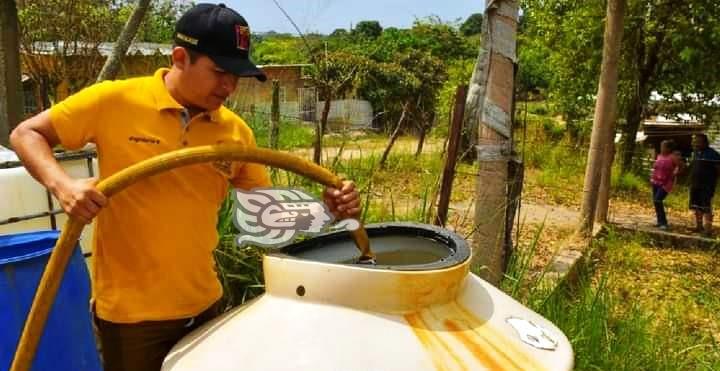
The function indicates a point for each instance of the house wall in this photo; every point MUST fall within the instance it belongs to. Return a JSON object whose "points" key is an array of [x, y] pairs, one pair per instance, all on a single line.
{"points": [[251, 92]]}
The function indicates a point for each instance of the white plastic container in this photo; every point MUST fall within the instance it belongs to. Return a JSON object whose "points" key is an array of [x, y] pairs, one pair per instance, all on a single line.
{"points": [[322, 316], [21, 195]]}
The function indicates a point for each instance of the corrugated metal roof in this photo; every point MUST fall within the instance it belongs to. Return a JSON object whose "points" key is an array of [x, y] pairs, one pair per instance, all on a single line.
{"points": [[105, 48]]}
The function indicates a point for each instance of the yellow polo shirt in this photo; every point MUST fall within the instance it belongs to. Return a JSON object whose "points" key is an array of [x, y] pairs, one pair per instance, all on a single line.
{"points": [[153, 246]]}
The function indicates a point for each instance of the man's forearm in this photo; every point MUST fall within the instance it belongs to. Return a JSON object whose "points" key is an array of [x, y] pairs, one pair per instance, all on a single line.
{"points": [[37, 155]]}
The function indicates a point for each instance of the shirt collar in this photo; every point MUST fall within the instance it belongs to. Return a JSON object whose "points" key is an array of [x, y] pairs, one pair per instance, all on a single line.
{"points": [[165, 101]]}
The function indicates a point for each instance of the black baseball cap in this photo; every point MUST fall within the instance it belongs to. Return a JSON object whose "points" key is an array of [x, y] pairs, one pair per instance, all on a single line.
{"points": [[220, 33]]}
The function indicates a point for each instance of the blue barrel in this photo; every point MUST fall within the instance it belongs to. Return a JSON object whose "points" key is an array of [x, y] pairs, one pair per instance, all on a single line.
{"points": [[68, 342]]}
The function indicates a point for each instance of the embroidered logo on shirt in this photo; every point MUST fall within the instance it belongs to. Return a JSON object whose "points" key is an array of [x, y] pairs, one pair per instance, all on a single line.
{"points": [[148, 140], [224, 167]]}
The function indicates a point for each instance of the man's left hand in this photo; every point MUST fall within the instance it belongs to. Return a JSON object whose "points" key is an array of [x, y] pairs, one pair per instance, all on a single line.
{"points": [[344, 203]]}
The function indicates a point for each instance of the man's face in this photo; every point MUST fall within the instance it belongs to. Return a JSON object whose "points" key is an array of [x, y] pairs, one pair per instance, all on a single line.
{"points": [[205, 85], [698, 142]]}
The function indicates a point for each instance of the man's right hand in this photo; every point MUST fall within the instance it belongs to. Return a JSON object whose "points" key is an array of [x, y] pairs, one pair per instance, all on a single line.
{"points": [[80, 198]]}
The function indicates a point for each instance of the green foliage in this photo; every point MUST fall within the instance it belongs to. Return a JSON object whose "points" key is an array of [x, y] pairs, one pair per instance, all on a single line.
{"points": [[336, 73], [339, 32], [367, 29], [666, 48], [442, 40], [459, 73], [561, 49], [472, 25], [292, 134], [239, 269], [68, 30], [553, 131], [535, 73], [284, 49], [158, 26], [628, 182], [613, 322]]}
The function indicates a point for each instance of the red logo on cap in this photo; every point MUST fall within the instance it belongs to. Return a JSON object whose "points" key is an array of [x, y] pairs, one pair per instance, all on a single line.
{"points": [[242, 37]]}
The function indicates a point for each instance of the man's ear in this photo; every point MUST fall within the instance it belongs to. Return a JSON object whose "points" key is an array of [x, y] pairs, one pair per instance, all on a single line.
{"points": [[180, 57]]}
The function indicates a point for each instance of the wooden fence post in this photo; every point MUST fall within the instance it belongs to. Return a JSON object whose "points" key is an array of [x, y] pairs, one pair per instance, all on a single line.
{"points": [[452, 155]]}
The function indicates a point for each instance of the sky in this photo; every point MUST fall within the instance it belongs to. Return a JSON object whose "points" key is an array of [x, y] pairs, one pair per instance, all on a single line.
{"points": [[327, 15]]}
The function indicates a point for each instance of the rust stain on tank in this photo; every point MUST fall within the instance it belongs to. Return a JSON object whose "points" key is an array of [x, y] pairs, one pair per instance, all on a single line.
{"points": [[480, 352], [430, 341], [498, 340], [433, 287], [456, 339]]}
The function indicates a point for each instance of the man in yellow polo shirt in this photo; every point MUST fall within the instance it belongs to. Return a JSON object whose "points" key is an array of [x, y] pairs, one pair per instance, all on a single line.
{"points": [[153, 273]]}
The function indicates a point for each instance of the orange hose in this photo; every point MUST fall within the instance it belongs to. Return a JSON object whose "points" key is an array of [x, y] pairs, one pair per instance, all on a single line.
{"points": [[60, 256]]}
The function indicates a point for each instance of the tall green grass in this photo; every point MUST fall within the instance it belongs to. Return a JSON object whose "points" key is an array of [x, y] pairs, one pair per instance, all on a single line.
{"points": [[607, 331], [293, 133], [240, 269]]}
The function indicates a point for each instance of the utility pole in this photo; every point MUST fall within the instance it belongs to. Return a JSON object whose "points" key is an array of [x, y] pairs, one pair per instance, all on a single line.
{"points": [[605, 114], [11, 103], [490, 102]]}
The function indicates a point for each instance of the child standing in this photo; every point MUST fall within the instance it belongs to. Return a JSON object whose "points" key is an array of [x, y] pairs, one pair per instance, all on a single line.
{"points": [[666, 167]]}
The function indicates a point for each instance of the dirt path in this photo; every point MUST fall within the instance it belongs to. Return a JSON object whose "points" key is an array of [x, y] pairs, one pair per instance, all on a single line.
{"points": [[531, 213]]}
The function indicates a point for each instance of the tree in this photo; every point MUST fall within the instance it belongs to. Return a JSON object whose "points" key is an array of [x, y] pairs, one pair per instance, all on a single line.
{"points": [[59, 43], [368, 29], [472, 25], [604, 112], [279, 50], [667, 46], [339, 32], [112, 63], [669, 51], [10, 85], [333, 74], [159, 23], [406, 91]]}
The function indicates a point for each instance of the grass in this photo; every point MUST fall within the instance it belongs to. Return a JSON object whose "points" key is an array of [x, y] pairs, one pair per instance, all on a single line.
{"points": [[293, 134], [639, 308], [555, 173], [403, 190]]}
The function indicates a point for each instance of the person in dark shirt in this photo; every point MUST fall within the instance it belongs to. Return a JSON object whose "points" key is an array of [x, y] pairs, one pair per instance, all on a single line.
{"points": [[703, 179]]}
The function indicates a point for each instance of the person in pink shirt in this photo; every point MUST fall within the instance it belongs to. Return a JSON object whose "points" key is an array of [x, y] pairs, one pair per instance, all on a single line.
{"points": [[667, 165]]}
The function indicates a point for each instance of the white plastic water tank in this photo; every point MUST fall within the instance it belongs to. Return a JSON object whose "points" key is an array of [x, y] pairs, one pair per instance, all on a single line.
{"points": [[321, 312], [22, 195]]}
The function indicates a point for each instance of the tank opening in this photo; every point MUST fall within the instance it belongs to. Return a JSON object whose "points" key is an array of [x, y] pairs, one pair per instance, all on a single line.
{"points": [[397, 246]]}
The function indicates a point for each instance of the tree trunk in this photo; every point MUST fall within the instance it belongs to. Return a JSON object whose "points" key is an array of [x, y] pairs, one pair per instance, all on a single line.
{"points": [[632, 124], [605, 114], [320, 130], [603, 203], [421, 140], [11, 102], [325, 114], [423, 133], [112, 64], [647, 65], [275, 115], [393, 137]]}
